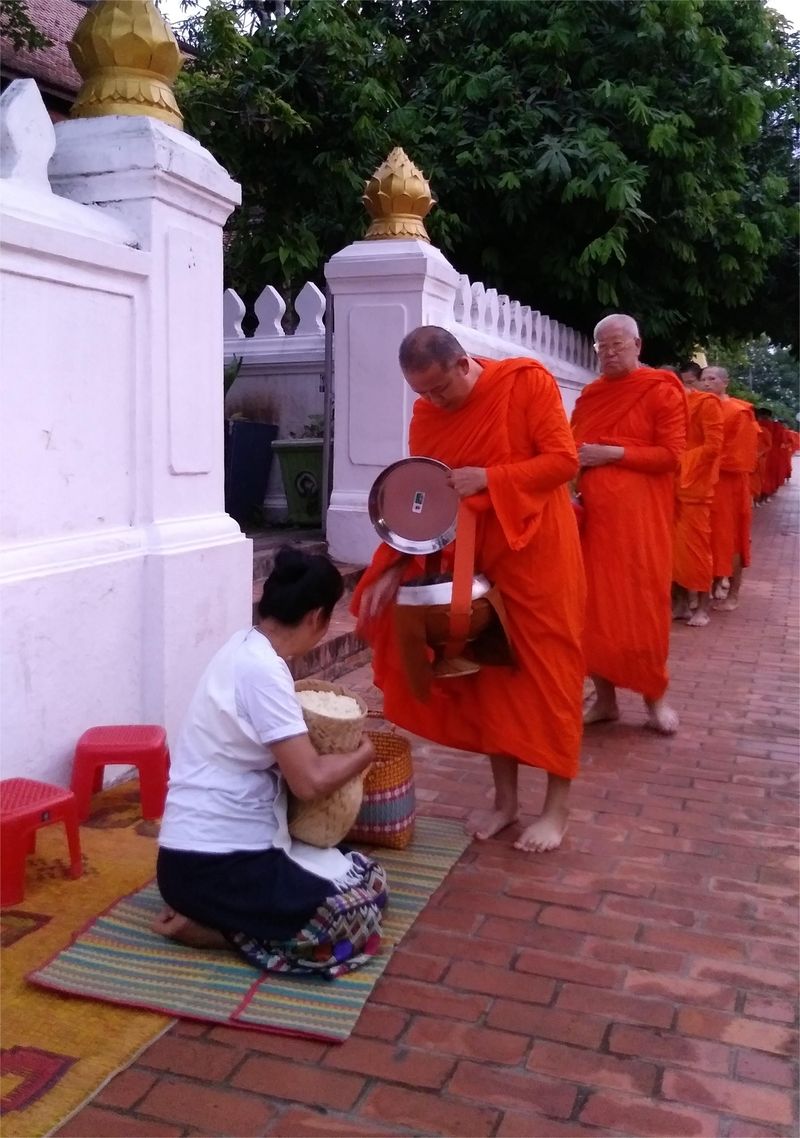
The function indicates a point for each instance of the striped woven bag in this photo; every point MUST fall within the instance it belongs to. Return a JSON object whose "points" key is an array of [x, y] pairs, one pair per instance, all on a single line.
{"points": [[388, 810]]}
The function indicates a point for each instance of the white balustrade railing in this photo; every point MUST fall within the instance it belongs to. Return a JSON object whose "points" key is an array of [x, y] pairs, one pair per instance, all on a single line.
{"points": [[270, 309], [480, 308]]}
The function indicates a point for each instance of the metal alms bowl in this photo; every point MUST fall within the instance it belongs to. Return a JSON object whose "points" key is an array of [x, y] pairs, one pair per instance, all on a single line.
{"points": [[412, 507], [438, 592]]}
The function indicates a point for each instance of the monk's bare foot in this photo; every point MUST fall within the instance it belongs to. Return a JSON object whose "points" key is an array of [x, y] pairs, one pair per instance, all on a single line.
{"points": [[600, 713], [699, 619], [721, 588], [487, 825], [681, 612], [728, 605], [186, 931], [542, 835], [662, 718]]}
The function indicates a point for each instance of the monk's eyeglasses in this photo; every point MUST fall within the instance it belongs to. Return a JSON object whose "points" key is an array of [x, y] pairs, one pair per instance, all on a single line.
{"points": [[614, 346]]}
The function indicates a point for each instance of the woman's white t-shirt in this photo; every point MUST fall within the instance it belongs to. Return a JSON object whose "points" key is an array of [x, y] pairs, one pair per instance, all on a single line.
{"points": [[226, 791]]}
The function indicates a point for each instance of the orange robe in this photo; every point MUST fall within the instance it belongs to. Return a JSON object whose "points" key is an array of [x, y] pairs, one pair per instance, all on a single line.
{"points": [[694, 493], [513, 424], [732, 508], [786, 452], [627, 532], [779, 459], [759, 475]]}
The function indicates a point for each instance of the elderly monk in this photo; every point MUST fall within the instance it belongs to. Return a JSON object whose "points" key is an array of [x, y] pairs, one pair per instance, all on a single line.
{"points": [[692, 564], [630, 426], [500, 426], [732, 508]]}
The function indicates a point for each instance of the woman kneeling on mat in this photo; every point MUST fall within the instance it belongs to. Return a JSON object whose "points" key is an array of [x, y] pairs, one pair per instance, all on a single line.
{"points": [[228, 870]]}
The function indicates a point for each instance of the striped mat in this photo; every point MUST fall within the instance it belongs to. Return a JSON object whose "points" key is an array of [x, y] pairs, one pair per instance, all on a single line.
{"points": [[117, 959]]}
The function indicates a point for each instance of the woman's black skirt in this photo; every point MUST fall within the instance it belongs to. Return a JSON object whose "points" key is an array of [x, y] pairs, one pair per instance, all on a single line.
{"points": [[261, 893]]}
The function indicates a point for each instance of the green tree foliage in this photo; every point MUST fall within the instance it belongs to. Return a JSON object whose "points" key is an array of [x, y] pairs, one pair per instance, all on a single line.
{"points": [[588, 157], [766, 374], [17, 27]]}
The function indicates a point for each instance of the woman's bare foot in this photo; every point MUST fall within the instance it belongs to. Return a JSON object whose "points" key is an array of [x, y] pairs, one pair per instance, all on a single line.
{"points": [[661, 717], [485, 826], [542, 835], [186, 931]]}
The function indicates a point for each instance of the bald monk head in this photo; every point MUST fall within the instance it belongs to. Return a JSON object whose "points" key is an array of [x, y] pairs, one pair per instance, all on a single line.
{"points": [[618, 344], [714, 379], [437, 368], [690, 373]]}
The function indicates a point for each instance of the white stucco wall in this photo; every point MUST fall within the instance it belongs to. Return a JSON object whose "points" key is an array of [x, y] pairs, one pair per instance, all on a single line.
{"points": [[120, 574]]}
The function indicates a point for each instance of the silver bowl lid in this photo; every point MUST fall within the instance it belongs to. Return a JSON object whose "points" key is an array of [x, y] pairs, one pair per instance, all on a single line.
{"points": [[412, 507]]}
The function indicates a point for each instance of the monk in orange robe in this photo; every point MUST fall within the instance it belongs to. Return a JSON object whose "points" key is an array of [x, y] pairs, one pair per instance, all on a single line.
{"points": [[758, 479], [786, 451], [772, 476], [732, 508], [630, 426], [501, 428], [692, 565]]}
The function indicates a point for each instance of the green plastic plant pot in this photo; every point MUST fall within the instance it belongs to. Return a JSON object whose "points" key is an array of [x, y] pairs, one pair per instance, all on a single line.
{"points": [[301, 470]]}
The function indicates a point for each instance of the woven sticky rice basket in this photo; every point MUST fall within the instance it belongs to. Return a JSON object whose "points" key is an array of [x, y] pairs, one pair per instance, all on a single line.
{"points": [[326, 821]]}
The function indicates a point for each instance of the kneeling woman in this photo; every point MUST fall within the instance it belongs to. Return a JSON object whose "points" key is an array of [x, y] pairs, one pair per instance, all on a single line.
{"points": [[228, 870]]}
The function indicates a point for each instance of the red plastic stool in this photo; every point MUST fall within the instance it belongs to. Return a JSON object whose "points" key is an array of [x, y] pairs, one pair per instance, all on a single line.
{"points": [[141, 746], [26, 806]]}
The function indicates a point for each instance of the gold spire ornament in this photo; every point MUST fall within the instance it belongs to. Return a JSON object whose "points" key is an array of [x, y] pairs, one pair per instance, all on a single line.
{"points": [[128, 58], [397, 197]]}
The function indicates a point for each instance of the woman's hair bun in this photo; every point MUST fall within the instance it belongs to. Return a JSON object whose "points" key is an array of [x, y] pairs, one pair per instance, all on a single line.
{"points": [[299, 583], [290, 565]]}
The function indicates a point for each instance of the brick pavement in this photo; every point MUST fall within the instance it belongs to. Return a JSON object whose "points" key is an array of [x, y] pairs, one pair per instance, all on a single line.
{"points": [[640, 981]]}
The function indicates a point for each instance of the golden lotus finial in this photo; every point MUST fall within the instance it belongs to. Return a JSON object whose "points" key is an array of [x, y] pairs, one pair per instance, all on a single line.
{"points": [[397, 197], [128, 58]]}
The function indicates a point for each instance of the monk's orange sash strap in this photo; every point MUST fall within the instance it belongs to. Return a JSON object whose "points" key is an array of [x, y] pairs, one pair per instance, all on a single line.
{"points": [[463, 572]]}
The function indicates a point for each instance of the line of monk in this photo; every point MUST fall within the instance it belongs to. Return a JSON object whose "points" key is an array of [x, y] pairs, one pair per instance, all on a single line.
{"points": [[735, 457], [776, 447], [662, 468]]}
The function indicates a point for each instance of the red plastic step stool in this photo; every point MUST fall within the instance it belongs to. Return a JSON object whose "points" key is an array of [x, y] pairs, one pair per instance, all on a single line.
{"points": [[25, 807], [143, 746]]}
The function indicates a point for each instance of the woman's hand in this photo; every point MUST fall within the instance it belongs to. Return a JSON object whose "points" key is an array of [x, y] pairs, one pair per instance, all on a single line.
{"points": [[377, 596], [468, 480], [365, 753], [598, 454]]}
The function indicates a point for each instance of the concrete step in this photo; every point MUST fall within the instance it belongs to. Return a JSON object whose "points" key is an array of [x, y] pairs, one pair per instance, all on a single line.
{"points": [[266, 545]]}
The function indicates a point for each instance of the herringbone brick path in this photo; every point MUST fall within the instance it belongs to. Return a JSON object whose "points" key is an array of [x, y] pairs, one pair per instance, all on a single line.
{"points": [[642, 980]]}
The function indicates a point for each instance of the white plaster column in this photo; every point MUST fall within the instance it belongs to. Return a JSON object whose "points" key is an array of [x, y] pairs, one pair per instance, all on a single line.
{"points": [[197, 581], [381, 290]]}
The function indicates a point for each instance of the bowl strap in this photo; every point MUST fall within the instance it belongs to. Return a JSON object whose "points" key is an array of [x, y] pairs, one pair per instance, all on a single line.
{"points": [[463, 573]]}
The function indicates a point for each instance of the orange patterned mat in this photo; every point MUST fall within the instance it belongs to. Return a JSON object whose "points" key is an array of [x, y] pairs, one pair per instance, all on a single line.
{"points": [[58, 1051]]}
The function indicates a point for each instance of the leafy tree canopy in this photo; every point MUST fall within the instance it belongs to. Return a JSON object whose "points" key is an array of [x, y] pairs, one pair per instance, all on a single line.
{"points": [[587, 157], [17, 27], [763, 373]]}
